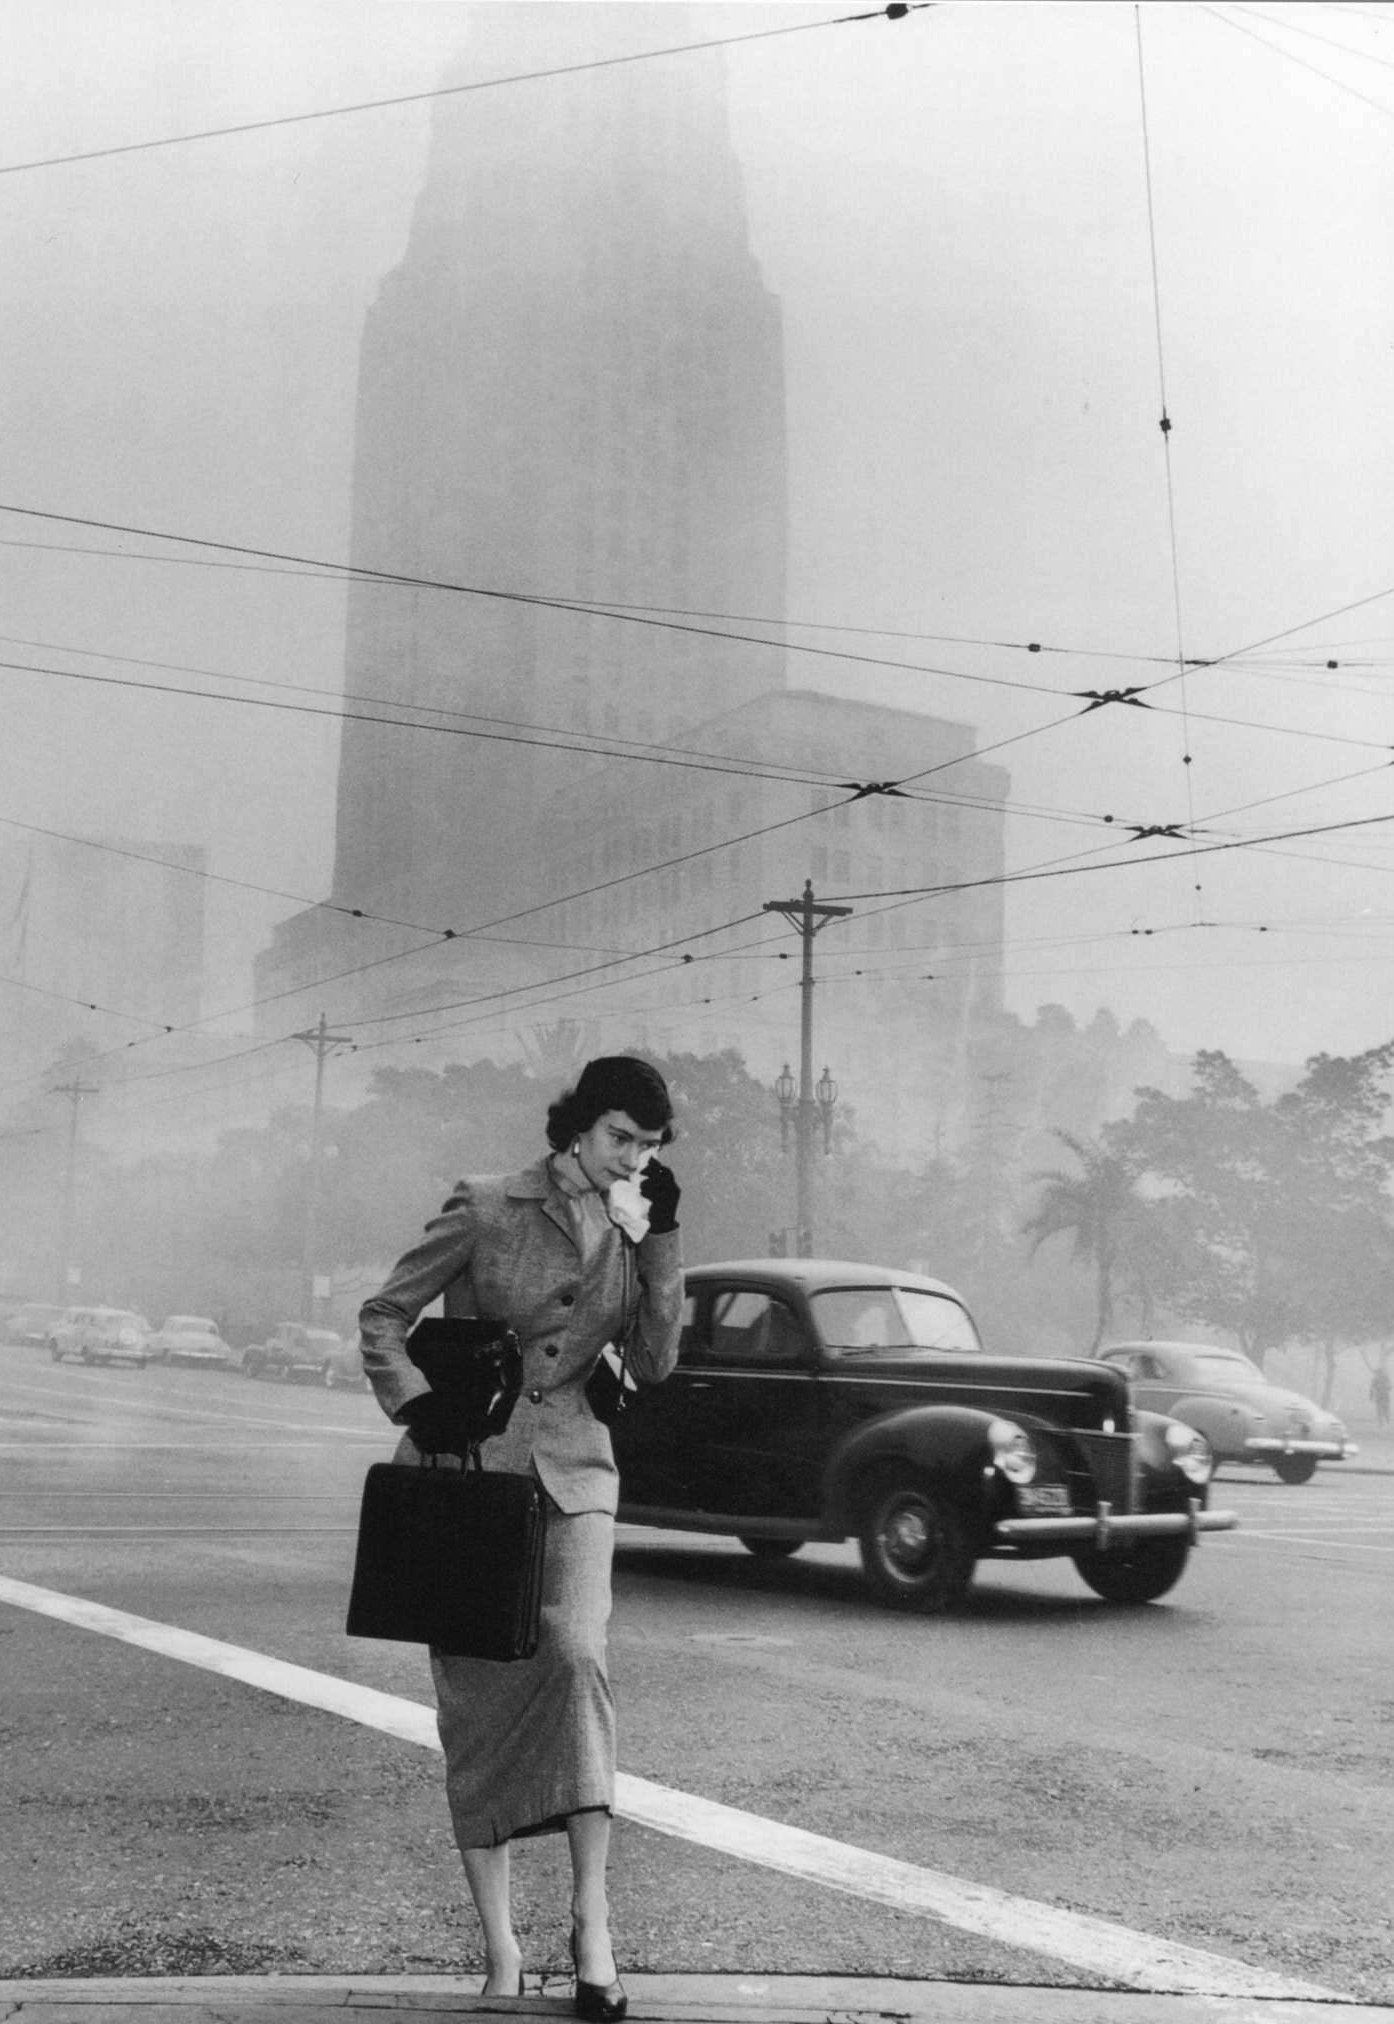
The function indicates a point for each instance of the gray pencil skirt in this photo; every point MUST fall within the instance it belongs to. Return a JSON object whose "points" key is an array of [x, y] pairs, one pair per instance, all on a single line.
{"points": [[530, 1741]]}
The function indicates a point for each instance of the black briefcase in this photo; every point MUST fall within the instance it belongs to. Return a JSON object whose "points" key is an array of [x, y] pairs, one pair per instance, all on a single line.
{"points": [[450, 1558]]}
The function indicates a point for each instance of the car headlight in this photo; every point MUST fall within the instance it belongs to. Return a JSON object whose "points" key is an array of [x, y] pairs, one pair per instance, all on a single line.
{"points": [[1012, 1451], [1190, 1451]]}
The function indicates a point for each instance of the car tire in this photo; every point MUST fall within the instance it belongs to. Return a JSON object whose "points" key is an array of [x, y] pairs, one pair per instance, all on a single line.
{"points": [[771, 1549], [1294, 1468], [1135, 1574], [914, 1546], [55, 1352]]}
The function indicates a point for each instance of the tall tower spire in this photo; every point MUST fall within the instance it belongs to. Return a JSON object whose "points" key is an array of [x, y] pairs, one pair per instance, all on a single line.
{"points": [[571, 387]]}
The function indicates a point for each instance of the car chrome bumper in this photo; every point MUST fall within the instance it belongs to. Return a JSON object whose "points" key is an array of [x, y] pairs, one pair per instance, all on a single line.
{"points": [[1271, 1444], [1108, 1527]]}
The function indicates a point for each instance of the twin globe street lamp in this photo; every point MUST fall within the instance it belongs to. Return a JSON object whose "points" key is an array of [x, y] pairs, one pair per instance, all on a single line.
{"points": [[798, 1106]]}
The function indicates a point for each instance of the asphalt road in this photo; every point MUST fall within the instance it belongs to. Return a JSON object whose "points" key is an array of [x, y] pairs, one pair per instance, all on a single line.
{"points": [[1215, 1770]]}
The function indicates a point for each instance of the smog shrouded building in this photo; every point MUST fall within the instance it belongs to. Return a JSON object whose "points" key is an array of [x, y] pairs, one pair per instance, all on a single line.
{"points": [[571, 394]]}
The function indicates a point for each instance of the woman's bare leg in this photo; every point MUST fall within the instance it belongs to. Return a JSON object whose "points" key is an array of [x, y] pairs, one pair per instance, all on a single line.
{"points": [[589, 1836], [487, 1873]]}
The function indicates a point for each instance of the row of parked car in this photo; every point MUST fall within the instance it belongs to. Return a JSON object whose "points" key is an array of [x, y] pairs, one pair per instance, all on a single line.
{"points": [[108, 1335]]}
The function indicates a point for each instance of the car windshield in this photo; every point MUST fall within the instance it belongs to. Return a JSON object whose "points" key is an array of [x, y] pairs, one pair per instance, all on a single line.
{"points": [[321, 1336], [872, 1321]]}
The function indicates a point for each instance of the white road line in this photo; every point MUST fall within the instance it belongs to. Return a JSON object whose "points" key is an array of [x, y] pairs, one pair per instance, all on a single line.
{"points": [[1315, 1539], [1136, 1960]]}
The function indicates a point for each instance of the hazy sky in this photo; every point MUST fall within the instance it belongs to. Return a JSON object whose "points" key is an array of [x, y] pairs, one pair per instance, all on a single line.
{"points": [[954, 213]]}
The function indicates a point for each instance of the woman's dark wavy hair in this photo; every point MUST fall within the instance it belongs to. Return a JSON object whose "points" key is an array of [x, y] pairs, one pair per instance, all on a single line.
{"points": [[611, 1082]]}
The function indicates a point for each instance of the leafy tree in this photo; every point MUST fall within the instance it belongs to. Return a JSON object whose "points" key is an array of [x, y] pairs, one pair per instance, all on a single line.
{"points": [[1283, 1207], [1096, 1208]]}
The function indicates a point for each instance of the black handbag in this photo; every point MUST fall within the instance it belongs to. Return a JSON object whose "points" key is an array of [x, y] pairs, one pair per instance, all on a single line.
{"points": [[610, 1389], [476, 1366], [450, 1558]]}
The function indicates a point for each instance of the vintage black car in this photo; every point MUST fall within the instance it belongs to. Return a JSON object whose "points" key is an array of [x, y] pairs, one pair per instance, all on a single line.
{"points": [[818, 1400]]}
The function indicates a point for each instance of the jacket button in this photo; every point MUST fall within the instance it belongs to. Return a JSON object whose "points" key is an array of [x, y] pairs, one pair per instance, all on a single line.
{"points": [[568, 1299], [551, 1350], [536, 1396]]}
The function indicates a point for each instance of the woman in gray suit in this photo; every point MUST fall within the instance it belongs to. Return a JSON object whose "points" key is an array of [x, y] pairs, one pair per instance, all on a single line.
{"points": [[573, 1256]]}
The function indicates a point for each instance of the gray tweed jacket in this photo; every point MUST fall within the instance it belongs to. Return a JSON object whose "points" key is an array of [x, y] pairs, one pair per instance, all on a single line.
{"points": [[503, 1247]]}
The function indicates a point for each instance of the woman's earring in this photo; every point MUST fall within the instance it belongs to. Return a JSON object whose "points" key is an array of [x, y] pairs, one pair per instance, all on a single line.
{"points": [[575, 1149]]}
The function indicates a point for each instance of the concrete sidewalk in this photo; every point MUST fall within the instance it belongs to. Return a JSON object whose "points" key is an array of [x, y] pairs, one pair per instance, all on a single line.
{"points": [[653, 1999]]}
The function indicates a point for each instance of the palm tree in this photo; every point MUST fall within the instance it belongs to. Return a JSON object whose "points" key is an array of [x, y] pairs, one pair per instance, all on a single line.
{"points": [[1094, 1208]]}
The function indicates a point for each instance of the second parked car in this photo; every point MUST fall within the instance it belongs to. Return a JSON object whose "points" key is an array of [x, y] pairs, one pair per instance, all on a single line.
{"points": [[1244, 1415]]}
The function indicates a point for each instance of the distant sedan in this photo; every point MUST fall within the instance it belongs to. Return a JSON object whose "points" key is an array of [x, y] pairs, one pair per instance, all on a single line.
{"points": [[1226, 1397], [190, 1338]]}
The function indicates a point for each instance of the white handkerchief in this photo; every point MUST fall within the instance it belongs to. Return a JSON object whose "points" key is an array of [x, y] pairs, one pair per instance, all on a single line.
{"points": [[629, 1207]]}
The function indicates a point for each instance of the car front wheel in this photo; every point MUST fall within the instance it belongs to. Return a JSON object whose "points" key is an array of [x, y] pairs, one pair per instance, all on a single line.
{"points": [[1295, 1468], [914, 1547], [1137, 1573]]}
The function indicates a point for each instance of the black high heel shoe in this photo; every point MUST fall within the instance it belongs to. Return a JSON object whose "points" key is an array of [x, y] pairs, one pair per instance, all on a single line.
{"points": [[597, 2002]]}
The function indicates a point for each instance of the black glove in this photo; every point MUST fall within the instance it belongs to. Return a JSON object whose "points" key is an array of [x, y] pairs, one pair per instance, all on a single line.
{"points": [[659, 1187], [433, 1424]]}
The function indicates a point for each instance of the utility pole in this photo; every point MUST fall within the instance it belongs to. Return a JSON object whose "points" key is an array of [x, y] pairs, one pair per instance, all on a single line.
{"points": [[322, 1044], [74, 1091], [807, 916]]}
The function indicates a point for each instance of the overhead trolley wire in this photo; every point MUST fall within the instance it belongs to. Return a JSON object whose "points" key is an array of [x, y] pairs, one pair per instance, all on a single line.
{"points": [[339, 574], [562, 743], [620, 616], [1073, 866], [328, 906], [1242, 28], [894, 12], [1311, 34]]}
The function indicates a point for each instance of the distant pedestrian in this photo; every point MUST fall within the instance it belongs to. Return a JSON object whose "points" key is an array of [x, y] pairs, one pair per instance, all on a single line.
{"points": [[577, 1251], [1379, 1394]]}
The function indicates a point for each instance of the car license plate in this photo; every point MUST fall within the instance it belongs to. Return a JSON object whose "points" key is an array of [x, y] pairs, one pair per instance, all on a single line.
{"points": [[1044, 1497]]}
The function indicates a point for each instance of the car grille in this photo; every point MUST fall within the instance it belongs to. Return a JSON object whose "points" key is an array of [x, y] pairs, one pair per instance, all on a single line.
{"points": [[1109, 1458]]}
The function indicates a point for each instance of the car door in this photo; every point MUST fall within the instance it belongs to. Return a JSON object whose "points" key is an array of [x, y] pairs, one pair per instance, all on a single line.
{"points": [[755, 1403], [654, 1442]]}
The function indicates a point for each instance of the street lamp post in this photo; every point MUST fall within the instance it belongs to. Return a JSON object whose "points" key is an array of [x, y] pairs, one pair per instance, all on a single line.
{"points": [[826, 1093], [807, 916], [74, 1091], [322, 1043]]}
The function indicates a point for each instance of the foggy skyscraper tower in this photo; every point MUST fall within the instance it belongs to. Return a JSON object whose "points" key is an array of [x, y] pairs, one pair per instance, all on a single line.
{"points": [[571, 388]]}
